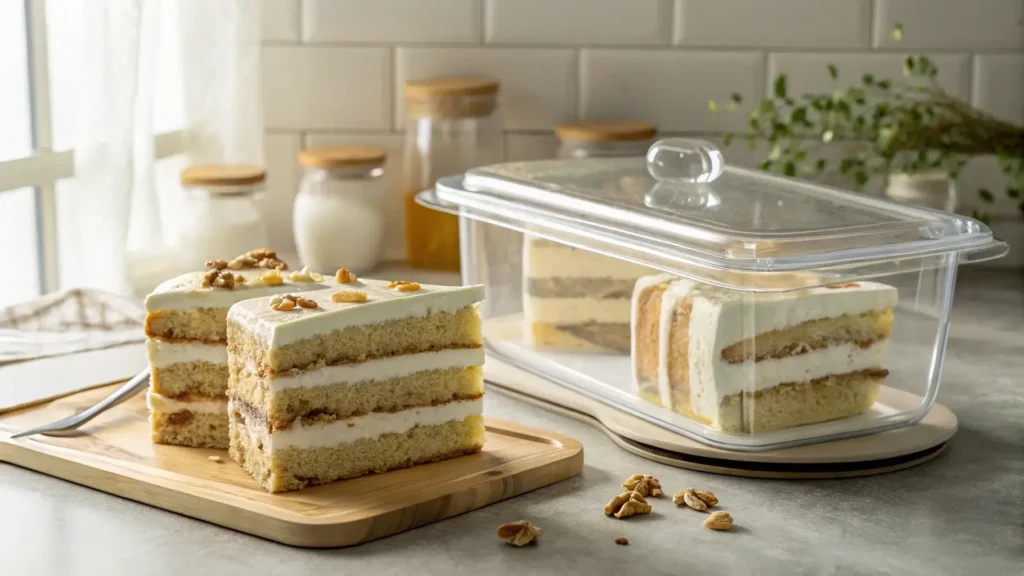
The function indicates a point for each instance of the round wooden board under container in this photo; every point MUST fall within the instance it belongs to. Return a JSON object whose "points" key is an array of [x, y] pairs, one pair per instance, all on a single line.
{"points": [[860, 456]]}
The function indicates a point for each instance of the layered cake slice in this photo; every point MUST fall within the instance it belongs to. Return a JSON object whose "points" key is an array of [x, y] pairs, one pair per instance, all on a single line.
{"points": [[372, 377], [186, 325], [576, 300], [752, 362]]}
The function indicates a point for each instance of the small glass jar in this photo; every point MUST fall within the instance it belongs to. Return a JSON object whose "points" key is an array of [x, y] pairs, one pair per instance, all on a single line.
{"points": [[224, 216], [452, 125], [339, 213], [604, 139]]}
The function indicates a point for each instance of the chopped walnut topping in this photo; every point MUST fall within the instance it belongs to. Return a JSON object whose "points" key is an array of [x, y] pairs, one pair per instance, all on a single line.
{"points": [[284, 305], [397, 283], [518, 533], [272, 278], [291, 297], [697, 499], [221, 279], [307, 303], [410, 287], [216, 264], [645, 484], [622, 541], [720, 520], [304, 275], [627, 504], [349, 296], [345, 276]]}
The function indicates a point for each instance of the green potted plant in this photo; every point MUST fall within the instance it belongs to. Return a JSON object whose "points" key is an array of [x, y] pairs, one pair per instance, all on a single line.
{"points": [[908, 131]]}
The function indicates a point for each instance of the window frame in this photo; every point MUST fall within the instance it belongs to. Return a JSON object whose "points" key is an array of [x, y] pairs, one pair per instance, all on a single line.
{"points": [[43, 167]]}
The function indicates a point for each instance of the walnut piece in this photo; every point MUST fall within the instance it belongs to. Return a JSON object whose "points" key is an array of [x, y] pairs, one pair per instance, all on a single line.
{"points": [[622, 541], [272, 278], [304, 275], [645, 484], [697, 499], [307, 303], [216, 264], [345, 276], [720, 520], [216, 459], [408, 287], [518, 533], [349, 296], [627, 504], [843, 285], [283, 305], [221, 279]]}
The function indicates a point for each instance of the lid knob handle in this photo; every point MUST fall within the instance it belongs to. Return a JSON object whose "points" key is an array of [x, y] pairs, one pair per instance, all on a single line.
{"points": [[684, 160]]}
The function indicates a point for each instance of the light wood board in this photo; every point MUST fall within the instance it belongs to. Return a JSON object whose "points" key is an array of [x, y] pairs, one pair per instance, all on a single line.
{"points": [[114, 454], [860, 456]]}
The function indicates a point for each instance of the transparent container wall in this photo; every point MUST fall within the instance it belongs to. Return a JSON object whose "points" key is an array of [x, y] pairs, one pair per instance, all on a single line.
{"points": [[737, 369]]}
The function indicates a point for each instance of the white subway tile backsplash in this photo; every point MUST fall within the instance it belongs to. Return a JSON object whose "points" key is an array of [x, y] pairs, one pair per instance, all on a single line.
{"points": [[950, 24], [521, 147], [393, 247], [669, 88], [984, 172], [809, 72], [579, 21], [281, 20], [391, 21], [280, 151], [999, 85], [774, 23], [538, 86], [315, 87]]}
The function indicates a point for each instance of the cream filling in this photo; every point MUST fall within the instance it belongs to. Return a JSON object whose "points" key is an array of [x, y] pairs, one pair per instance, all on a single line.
{"points": [[161, 403], [577, 310], [162, 353], [547, 261], [348, 430], [383, 304], [377, 369], [712, 382]]}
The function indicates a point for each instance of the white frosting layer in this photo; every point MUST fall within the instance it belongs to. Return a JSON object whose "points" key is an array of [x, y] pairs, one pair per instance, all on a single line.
{"points": [[379, 369], [546, 260], [160, 403], [720, 318], [162, 353], [576, 310], [383, 305], [357, 428], [186, 292]]}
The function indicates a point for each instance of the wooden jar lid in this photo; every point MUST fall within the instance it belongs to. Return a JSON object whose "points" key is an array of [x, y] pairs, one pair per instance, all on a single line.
{"points": [[349, 155], [605, 131], [222, 175], [449, 87], [451, 97]]}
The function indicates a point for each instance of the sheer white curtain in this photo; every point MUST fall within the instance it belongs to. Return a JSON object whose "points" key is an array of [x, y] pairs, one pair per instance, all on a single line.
{"points": [[119, 233]]}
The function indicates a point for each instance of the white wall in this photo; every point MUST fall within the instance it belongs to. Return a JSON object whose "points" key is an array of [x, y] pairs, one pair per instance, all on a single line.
{"points": [[333, 70]]}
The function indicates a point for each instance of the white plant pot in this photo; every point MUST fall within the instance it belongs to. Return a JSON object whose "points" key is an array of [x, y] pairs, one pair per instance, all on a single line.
{"points": [[934, 190]]}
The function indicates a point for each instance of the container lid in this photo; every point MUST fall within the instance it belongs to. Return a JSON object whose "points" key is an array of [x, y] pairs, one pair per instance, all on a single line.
{"points": [[451, 98], [222, 175], [447, 87], [605, 131], [337, 156], [683, 210]]}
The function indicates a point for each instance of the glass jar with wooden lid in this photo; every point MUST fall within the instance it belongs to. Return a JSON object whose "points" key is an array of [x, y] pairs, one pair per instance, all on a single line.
{"points": [[604, 139], [223, 213], [339, 210], [452, 125]]}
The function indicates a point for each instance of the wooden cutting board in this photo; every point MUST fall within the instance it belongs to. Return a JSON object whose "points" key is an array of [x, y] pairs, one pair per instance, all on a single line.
{"points": [[113, 453]]}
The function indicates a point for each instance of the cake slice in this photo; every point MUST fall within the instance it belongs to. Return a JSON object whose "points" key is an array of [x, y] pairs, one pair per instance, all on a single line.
{"points": [[576, 300], [376, 376], [759, 361], [186, 325]]}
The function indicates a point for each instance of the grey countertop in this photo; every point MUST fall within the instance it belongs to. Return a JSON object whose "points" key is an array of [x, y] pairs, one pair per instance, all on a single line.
{"points": [[962, 513]]}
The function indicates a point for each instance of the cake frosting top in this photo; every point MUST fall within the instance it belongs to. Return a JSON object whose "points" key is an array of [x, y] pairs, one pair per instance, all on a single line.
{"points": [[186, 291], [382, 304]]}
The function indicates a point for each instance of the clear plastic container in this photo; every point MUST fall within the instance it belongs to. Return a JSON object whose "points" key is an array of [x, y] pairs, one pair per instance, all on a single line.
{"points": [[452, 125], [738, 308], [225, 216], [604, 139]]}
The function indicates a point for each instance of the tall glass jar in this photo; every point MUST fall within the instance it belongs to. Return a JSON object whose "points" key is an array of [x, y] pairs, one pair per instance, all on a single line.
{"points": [[452, 125], [225, 218], [339, 212], [604, 139]]}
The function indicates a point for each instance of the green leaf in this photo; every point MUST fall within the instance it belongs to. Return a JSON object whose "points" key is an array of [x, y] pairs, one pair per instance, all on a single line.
{"points": [[884, 84], [897, 32], [789, 169], [846, 164], [820, 165], [1013, 192], [868, 79], [986, 195], [827, 136], [800, 116], [754, 124], [1020, 207], [833, 71], [908, 66], [727, 139], [861, 178], [780, 86], [736, 97], [765, 165], [979, 215], [712, 106]]}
